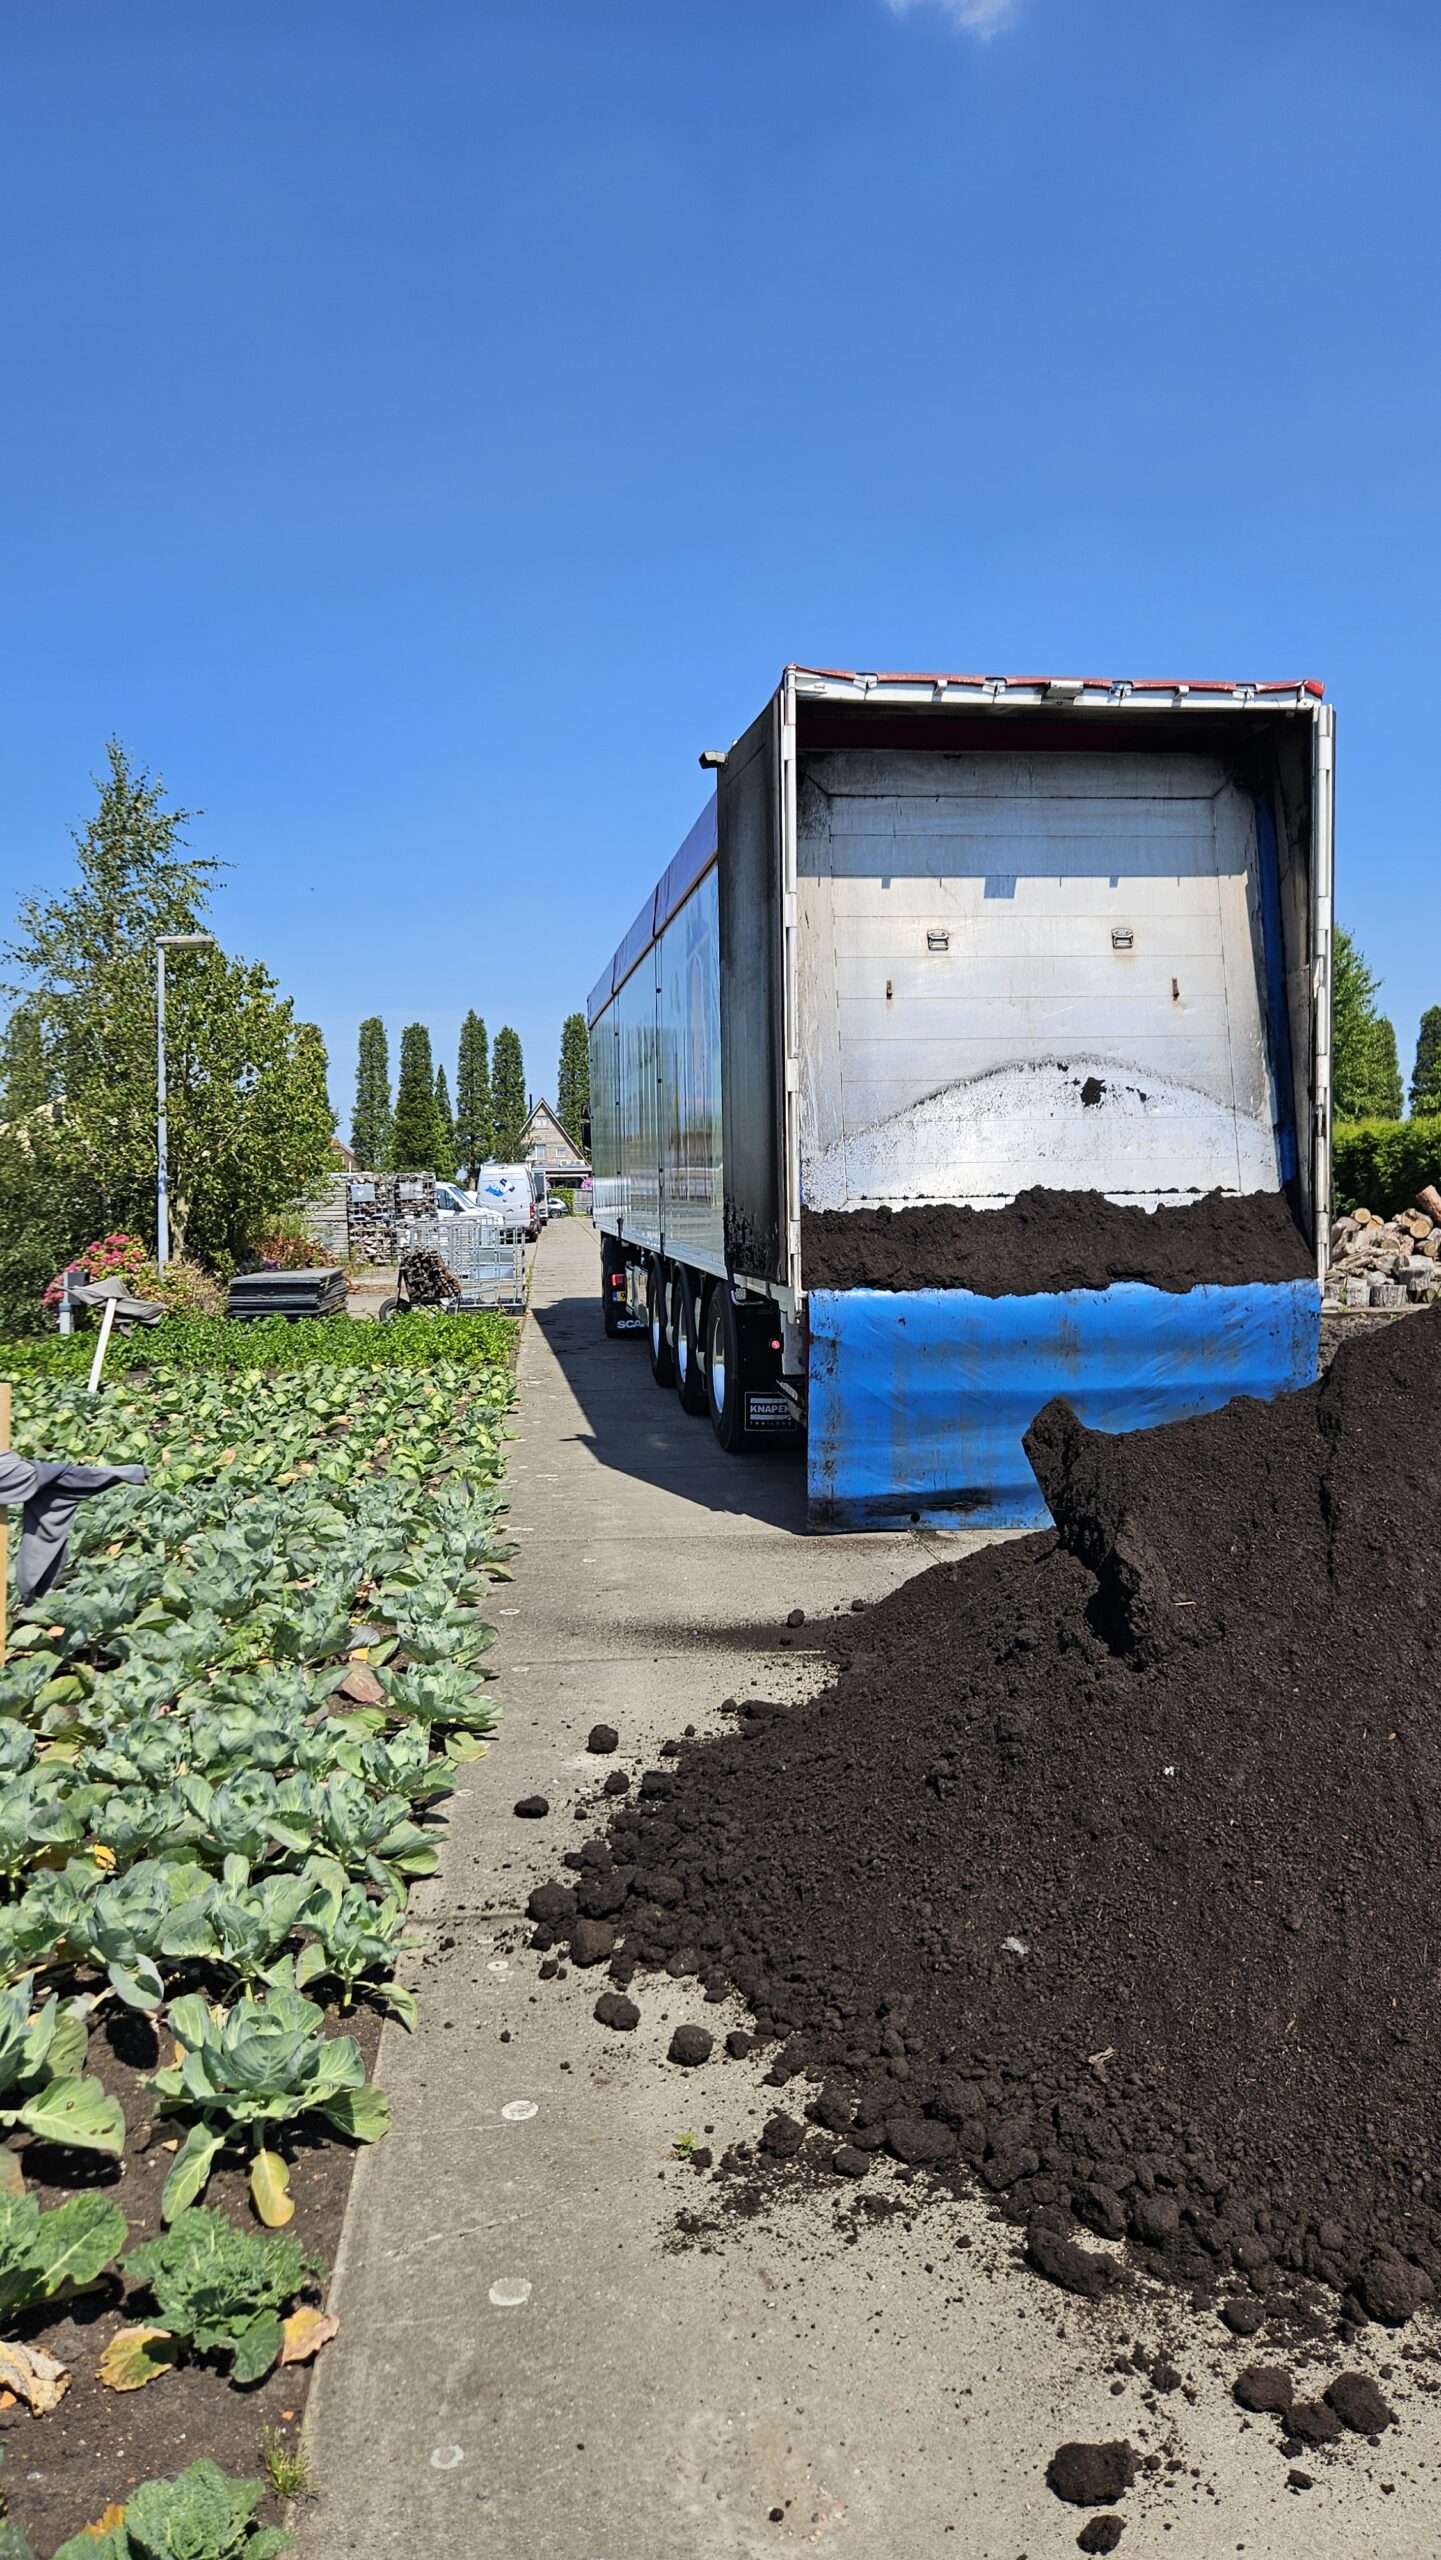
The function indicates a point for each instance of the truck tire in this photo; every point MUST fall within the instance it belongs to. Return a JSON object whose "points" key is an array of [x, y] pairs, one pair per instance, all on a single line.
{"points": [[612, 1285], [725, 1369], [685, 1344], [657, 1326]]}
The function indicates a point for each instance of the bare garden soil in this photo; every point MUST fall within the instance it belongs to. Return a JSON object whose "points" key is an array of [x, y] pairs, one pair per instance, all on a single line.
{"points": [[61, 2471], [1055, 1240], [1106, 1875]]}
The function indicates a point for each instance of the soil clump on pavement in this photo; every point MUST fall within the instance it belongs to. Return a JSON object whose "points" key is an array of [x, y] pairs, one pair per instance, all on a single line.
{"points": [[1108, 1874], [1055, 1240]]}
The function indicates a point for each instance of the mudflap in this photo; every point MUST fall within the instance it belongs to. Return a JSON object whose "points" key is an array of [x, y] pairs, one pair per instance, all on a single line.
{"points": [[918, 1399]]}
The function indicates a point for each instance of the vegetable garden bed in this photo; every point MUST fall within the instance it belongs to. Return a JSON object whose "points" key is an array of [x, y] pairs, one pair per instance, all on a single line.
{"points": [[224, 1738], [482, 1339]]}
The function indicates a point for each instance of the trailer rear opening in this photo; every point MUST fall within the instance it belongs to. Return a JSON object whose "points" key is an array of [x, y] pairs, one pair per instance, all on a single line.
{"points": [[939, 944]]}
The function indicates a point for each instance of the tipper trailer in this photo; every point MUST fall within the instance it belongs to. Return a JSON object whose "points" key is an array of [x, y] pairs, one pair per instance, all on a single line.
{"points": [[935, 941]]}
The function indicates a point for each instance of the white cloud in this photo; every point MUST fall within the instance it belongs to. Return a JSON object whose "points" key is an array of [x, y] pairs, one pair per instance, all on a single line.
{"points": [[983, 18]]}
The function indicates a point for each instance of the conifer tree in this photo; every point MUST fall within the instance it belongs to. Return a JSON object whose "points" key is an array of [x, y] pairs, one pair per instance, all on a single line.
{"points": [[248, 1129]]}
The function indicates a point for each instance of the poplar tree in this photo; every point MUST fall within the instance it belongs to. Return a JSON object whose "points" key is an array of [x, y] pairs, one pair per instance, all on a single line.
{"points": [[372, 1120], [416, 1146], [312, 1068], [1389, 1100], [572, 1090], [445, 1123], [508, 1095], [1426, 1073], [1365, 1073], [474, 1127]]}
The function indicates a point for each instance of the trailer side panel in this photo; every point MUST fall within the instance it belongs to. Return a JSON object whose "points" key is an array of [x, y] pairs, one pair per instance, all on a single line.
{"points": [[752, 1040]]}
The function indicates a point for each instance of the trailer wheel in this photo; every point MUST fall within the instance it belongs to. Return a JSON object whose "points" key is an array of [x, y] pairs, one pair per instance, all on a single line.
{"points": [[657, 1326], [725, 1369], [685, 1345], [612, 1284]]}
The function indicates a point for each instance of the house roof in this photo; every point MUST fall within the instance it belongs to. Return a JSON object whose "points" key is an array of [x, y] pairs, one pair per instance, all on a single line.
{"points": [[556, 1122]]}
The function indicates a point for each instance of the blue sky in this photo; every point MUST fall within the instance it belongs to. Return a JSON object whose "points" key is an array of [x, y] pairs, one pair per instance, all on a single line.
{"points": [[426, 427]]}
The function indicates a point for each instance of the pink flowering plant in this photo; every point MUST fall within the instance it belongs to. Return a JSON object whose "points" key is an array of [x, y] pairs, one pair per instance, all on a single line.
{"points": [[182, 1288], [113, 1257]]}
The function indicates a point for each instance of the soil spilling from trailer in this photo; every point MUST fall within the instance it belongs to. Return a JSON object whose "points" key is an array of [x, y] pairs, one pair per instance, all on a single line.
{"points": [[1055, 1240], [1108, 1871]]}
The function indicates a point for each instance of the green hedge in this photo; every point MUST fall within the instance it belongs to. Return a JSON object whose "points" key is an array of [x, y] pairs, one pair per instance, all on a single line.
{"points": [[1382, 1164], [213, 1343]]}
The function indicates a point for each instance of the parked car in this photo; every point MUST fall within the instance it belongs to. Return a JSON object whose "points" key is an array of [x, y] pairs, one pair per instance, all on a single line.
{"points": [[452, 1202]]}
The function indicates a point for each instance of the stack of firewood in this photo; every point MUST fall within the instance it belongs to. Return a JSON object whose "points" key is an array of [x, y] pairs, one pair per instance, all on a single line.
{"points": [[1386, 1262]]}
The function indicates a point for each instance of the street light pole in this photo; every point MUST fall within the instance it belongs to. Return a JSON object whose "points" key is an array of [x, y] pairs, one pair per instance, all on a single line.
{"points": [[165, 942]]}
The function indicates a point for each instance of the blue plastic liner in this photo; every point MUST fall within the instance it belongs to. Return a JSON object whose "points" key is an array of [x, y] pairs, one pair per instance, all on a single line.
{"points": [[918, 1398]]}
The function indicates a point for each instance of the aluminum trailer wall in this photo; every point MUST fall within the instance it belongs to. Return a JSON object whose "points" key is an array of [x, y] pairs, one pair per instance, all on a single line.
{"points": [[924, 917]]}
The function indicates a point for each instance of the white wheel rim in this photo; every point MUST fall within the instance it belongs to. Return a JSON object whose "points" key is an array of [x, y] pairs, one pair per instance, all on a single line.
{"points": [[682, 1353], [718, 1373]]}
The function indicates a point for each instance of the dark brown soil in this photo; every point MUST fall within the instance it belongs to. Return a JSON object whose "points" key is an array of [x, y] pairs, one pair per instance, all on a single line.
{"points": [[1108, 1874], [62, 2471], [1091, 2475], [1054, 1240], [1360, 2404]]}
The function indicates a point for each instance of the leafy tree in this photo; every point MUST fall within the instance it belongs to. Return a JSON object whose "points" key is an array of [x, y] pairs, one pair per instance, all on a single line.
{"points": [[28, 1083], [474, 1131], [446, 1124], [372, 1121], [49, 1208], [1365, 1076], [249, 1126], [417, 1145], [572, 1091], [508, 1095], [1426, 1073]]}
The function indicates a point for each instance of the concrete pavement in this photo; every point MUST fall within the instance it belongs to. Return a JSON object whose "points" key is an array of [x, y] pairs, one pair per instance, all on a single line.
{"points": [[533, 2362]]}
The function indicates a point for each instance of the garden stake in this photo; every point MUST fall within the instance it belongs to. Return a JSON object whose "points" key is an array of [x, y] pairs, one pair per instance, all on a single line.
{"points": [[98, 1363]]}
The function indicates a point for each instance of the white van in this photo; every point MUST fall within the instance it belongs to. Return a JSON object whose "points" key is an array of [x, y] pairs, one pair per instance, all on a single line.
{"points": [[510, 1190]]}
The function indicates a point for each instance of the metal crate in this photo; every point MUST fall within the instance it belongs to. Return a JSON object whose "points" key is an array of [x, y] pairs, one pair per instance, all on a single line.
{"points": [[491, 1274]]}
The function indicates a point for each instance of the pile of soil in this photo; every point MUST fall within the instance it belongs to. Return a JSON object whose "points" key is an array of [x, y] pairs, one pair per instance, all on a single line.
{"points": [[1052, 1240], [1108, 1871]]}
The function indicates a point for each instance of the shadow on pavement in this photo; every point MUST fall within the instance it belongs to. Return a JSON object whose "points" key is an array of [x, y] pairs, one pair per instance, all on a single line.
{"points": [[639, 1429]]}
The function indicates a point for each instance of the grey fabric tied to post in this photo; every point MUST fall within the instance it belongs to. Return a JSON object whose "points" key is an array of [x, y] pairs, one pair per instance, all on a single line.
{"points": [[128, 1310], [50, 1491]]}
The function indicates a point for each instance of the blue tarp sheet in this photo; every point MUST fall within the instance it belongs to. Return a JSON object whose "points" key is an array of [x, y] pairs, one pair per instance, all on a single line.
{"points": [[918, 1399]]}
